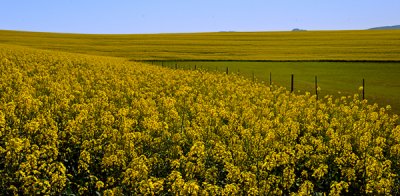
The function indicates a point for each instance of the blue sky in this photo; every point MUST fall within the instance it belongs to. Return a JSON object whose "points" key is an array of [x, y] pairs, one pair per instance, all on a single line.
{"points": [[163, 16]]}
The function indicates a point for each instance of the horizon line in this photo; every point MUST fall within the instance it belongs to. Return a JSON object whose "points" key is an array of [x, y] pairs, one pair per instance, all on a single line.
{"points": [[188, 32]]}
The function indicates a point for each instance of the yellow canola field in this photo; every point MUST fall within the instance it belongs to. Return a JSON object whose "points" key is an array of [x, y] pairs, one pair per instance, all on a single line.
{"points": [[86, 125]]}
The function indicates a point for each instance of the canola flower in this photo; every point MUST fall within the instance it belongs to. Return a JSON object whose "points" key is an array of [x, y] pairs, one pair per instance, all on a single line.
{"points": [[85, 125]]}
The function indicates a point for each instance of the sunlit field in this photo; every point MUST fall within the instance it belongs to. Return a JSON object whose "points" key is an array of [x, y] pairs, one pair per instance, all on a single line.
{"points": [[340, 59], [86, 125], [282, 46], [381, 79]]}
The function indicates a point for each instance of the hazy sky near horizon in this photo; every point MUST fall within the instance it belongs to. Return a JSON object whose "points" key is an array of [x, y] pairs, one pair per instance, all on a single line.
{"points": [[163, 16]]}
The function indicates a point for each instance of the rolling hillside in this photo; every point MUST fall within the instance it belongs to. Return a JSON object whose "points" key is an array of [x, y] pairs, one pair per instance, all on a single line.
{"points": [[253, 46], [386, 27]]}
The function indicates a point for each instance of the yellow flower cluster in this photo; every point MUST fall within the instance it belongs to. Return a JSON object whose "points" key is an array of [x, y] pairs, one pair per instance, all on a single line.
{"points": [[87, 125]]}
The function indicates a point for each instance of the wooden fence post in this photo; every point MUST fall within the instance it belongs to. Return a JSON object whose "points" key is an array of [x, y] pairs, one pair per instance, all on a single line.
{"points": [[291, 85], [363, 89], [316, 87], [270, 78], [227, 70]]}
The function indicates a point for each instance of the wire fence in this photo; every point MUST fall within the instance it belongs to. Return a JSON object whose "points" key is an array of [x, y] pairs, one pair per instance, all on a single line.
{"points": [[227, 71]]}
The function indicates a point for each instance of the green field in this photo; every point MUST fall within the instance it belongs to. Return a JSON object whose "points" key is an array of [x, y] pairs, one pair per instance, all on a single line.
{"points": [[334, 78], [340, 59]]}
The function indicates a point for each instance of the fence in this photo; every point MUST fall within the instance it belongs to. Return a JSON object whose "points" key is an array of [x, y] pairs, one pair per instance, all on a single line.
{"points": [[292, 81]]}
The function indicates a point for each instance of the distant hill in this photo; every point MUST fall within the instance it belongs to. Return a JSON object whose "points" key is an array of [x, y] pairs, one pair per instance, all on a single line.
{"points": [[386, 27], [297, 29]]}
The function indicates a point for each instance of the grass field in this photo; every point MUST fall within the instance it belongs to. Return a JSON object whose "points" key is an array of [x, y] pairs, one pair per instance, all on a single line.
{"points": [[233, 49], [334, 78]]}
